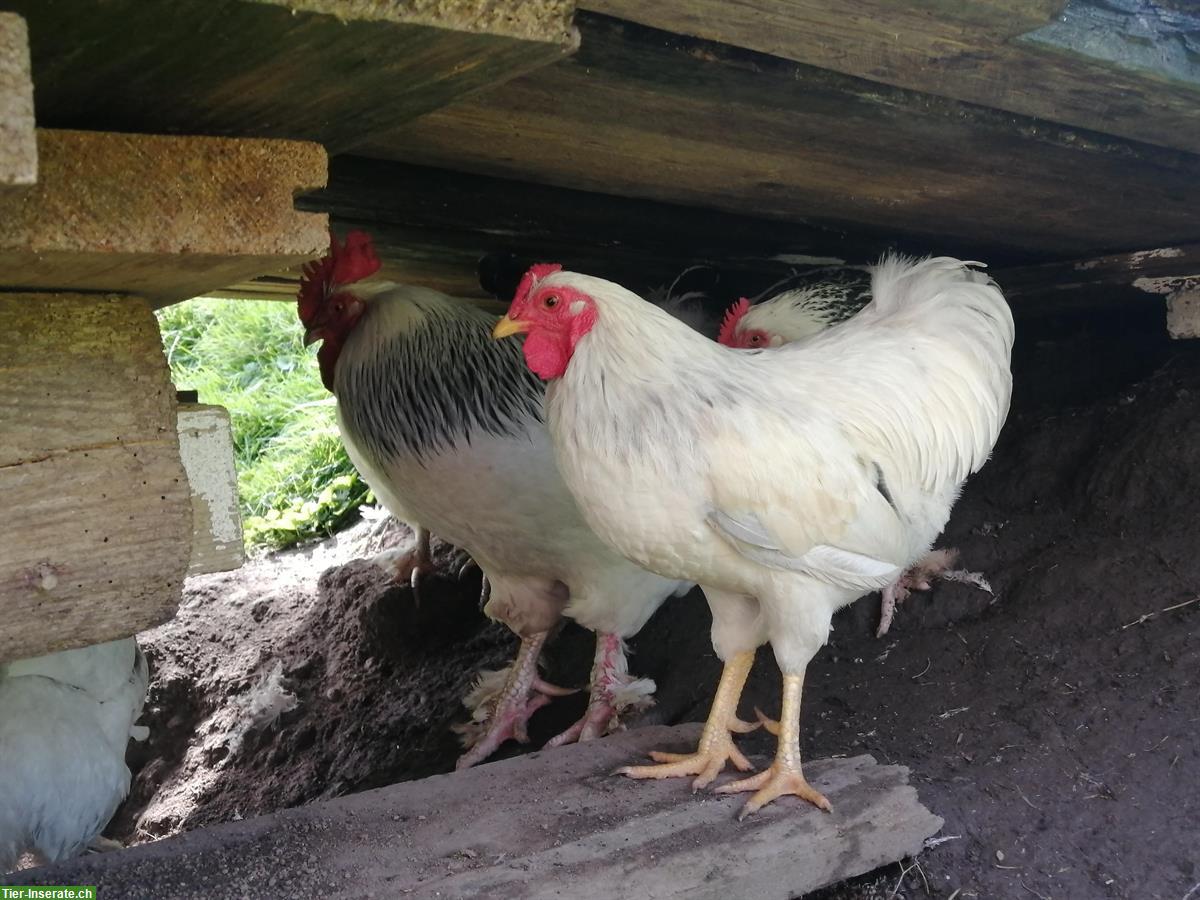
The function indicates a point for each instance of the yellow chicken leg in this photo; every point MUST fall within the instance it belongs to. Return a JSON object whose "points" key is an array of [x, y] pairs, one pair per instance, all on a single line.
{"points": [[784, 776], [716, 741]]}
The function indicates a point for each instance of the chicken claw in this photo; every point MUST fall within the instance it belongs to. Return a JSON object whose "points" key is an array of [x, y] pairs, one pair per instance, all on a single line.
{"points": [[706, 763], [716, 741], [462, 564], [934, 565], [502, 703], [776, 781], [614, 691], [414, 562], [410, 564], [784, 776]]}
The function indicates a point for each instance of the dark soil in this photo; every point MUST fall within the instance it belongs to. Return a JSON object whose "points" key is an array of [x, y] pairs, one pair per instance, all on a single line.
{"points": [[298, 678], [1052, 726]]}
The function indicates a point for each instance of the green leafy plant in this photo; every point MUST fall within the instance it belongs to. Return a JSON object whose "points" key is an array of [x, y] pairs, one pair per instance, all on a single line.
{"points": [[294, 478]]}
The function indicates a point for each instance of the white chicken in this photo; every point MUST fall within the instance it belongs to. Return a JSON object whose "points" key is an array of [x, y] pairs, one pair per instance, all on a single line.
{"points": [[65, 722], [787, 483], [446, 427], [830, 297]]}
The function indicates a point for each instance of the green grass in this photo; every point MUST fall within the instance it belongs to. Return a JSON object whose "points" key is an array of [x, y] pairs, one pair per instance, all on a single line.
{"points": [[294, 478]]}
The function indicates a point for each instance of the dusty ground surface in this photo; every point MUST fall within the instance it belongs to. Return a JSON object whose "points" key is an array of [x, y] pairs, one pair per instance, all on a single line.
{"points": [[303, 675], [1053, 726]]}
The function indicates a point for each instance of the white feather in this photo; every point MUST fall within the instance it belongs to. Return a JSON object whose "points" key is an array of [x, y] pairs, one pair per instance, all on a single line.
{"points": [[842, 453]]}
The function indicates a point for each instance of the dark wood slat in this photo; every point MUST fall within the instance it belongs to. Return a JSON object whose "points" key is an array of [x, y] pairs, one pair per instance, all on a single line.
{"points": [[1112, 281], [433, 226], [646, 114], [1117, 268], [970, 51], [260, 68]]}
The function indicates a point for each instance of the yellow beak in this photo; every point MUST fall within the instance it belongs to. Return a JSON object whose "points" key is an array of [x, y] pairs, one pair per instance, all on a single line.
{"points": [[507, 327]]}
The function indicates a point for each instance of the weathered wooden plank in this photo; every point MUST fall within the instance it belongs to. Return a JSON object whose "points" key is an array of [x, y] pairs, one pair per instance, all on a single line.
{"points": [[1109, 79], [432, 227], [18, 151], [550, 824], [206, 449], [331, 71], [97, 524], [1070, 282], [164, 217], [642, 113]]}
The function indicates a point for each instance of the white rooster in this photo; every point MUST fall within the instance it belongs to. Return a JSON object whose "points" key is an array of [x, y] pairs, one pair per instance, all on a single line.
{"points": [[65, 722], [830, 297], [446, 427], [787, 483]]}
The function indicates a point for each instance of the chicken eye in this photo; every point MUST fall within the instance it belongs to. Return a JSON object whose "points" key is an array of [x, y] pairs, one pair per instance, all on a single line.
{"points": [[551, 301], [756, 339]]}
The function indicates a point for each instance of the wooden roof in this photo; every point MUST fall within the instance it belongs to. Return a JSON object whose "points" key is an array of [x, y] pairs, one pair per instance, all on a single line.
{"points": [[630, 136]]}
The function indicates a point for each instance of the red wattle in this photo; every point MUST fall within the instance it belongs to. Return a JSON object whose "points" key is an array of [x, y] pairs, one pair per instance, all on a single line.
{"points": [[546, 354]]}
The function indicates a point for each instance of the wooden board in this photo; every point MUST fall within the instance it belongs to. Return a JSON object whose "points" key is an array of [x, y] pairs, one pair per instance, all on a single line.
{"points": [[546, 825], [641, 113], [1115, 279], [206, 450], [97, 526], [432, 227], [164, 217], [1110, 75], [18, 152], [332, 71]]}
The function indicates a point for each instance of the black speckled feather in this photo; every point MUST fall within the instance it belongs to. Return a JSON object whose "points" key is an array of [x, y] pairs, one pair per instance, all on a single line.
{"points": [[436, 384], [833, 293]]}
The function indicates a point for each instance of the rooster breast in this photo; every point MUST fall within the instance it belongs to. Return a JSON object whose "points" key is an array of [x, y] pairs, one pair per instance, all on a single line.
{"points": [[446, 426]]}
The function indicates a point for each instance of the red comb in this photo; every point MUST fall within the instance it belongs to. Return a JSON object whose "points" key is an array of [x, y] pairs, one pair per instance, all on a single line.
{"points": [[536, 273], [733, 315], [344, 264]]}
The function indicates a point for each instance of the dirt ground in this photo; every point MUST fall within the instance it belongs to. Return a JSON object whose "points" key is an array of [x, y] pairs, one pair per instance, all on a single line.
{"points": [[1052, 726]]}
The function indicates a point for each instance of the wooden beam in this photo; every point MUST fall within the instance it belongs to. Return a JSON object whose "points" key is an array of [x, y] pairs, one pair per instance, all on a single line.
{"points": [[1139, 269], [97, 526], [550, 824], [164, 217], [18, 151], [432, 227], [1087, 64], [331, 71], [643, 113]]}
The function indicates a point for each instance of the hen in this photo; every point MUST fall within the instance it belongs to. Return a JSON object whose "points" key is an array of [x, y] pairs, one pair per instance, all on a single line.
{"points": [[446, 427], [65, 722], [830, 297], [786, 483]]}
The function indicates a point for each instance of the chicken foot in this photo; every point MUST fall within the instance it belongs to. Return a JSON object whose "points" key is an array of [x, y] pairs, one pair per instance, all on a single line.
{"points": [[503, 702], [936, 564], [613, 691], [411, 564], [784, 776], [716, 741]]}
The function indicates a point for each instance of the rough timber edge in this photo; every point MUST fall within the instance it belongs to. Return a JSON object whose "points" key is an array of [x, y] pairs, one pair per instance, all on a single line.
{"points": [[544, 21]]}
